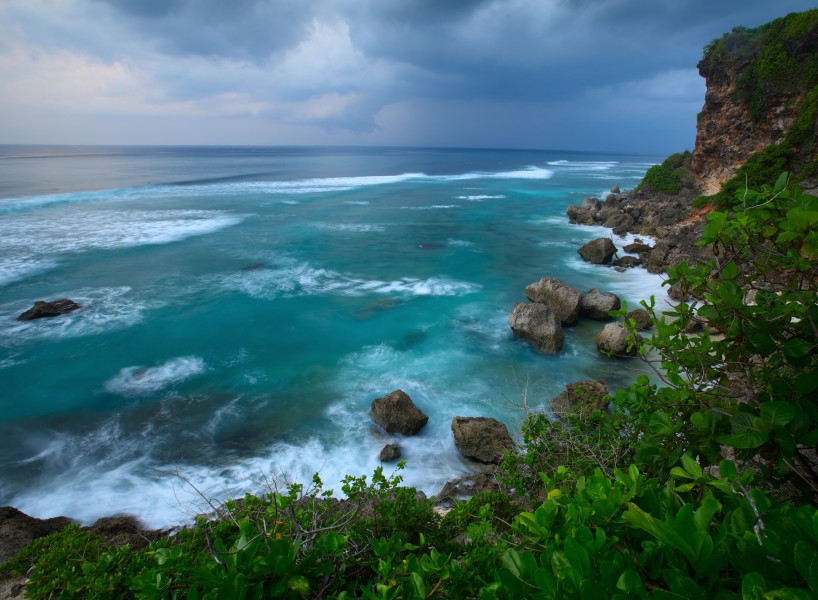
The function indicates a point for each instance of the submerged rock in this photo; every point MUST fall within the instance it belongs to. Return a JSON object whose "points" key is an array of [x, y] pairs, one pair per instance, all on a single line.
{"points": [[561, 298], [481, 438], [471, 484], [396, 413], [597, 304], [598, 251], [538, 324], [54, 308]]}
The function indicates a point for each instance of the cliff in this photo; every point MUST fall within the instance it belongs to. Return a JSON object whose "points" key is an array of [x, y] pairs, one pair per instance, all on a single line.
{"points": [[762, 91]]}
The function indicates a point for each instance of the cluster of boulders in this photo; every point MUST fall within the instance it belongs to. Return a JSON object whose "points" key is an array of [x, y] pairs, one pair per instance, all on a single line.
{"points": [[553, 304], [477, 438], [667, 218]]}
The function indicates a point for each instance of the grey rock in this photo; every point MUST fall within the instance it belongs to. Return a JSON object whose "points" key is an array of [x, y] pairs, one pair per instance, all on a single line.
{"points": [[597, 304], [389, 452], [18, 530], [396, 413], [558, 296], [613, 340], [538, 324], [641, 318], [628, 262], [481, 438], [471, 484], [599, 251]]}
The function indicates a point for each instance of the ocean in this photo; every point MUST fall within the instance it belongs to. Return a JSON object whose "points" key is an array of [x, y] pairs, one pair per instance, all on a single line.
{"points": [[242, 307]]}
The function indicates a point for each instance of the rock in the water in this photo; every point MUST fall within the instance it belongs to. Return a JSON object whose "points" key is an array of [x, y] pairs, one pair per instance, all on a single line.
{"points": [[627, 262], [562, 298], [641, 318], [637, 248], [469, 485], [615, 189], [598, 251], [18, 530], [678, 293], [613, 339], [591, 395], [396, 413], [389, 452], [54, 308], [481, 438], [597, 304], [538, 324]]}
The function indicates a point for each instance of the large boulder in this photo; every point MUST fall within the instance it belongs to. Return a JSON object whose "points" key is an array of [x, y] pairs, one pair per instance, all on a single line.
{"points": [[563, 299], [54, 308], [18, 530], [598, 251], [613, 340], [396, 413], [590, 395], [597, 304], [481, 438], [538, 324]]}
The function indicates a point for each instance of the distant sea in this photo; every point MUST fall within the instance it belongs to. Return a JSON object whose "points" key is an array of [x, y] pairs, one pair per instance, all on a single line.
{"points": [[242, 307]]}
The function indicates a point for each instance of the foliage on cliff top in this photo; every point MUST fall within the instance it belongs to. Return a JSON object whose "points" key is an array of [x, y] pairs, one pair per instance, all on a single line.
{"points": [[780, 57], [668, 177]]}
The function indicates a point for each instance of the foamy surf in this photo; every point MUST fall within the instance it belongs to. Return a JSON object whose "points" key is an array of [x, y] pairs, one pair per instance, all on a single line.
{"points": [[142, 381]]}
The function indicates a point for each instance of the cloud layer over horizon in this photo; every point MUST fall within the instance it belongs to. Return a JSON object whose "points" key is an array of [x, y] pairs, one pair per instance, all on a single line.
{"points": [[615, 75]]}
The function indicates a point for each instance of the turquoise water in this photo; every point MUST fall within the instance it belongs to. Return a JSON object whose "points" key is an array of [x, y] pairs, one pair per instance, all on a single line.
{"points": [[241, 308]]}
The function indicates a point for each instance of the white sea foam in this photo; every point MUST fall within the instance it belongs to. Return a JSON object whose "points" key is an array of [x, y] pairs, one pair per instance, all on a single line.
{"points": [[431, 207], [16, 268], [357, 202], [480, 197], [459, 243], [290, 278], [584, 165], [351, 227], [141, 381], [82, 231]]}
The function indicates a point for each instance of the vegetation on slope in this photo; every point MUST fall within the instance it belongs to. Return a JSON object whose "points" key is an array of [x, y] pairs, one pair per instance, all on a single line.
{"points": [[703, 487], [668, 177]]}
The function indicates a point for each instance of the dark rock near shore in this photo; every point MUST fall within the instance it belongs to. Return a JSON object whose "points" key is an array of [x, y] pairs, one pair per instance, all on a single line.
{"points": [[590, 395], [613, 340], [396, 413], [538, 324], [561, 298], [123, 529], [627, 262], [598, 251], [637, 248], [641, 318], [481, 438], [471, 484], [597, 304], [18, 530], [54, 308], [389, 452]]}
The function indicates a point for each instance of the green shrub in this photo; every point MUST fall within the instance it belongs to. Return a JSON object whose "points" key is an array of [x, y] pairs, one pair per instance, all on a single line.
{"points": [[668, 177]]}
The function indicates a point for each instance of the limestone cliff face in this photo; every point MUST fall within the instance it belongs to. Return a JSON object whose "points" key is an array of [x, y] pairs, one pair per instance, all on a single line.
{"points": [[758, 86], [726, 133]]}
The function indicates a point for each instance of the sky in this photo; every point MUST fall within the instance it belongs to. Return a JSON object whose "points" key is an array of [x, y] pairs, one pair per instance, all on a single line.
{"points": [[597, 75]]}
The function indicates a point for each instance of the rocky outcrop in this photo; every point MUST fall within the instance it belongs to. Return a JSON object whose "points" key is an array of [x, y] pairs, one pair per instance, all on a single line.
{"points": [[396, 413], [389, 452], [597, 304], [471, 484], [590, 395], [613, 340], [481, 438], [54, 308], [561, 298], [18, 530], [538, 324], [599, 251]]}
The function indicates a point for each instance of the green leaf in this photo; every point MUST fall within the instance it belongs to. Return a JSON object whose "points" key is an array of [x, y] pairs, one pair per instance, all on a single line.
{"points": [[691, 466], [797, 348], [630, 582], [660, 423], [753, 587], [778, 412], [727, 469], [806, 561], [418, 586], [748, 432], [807, 382]]}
